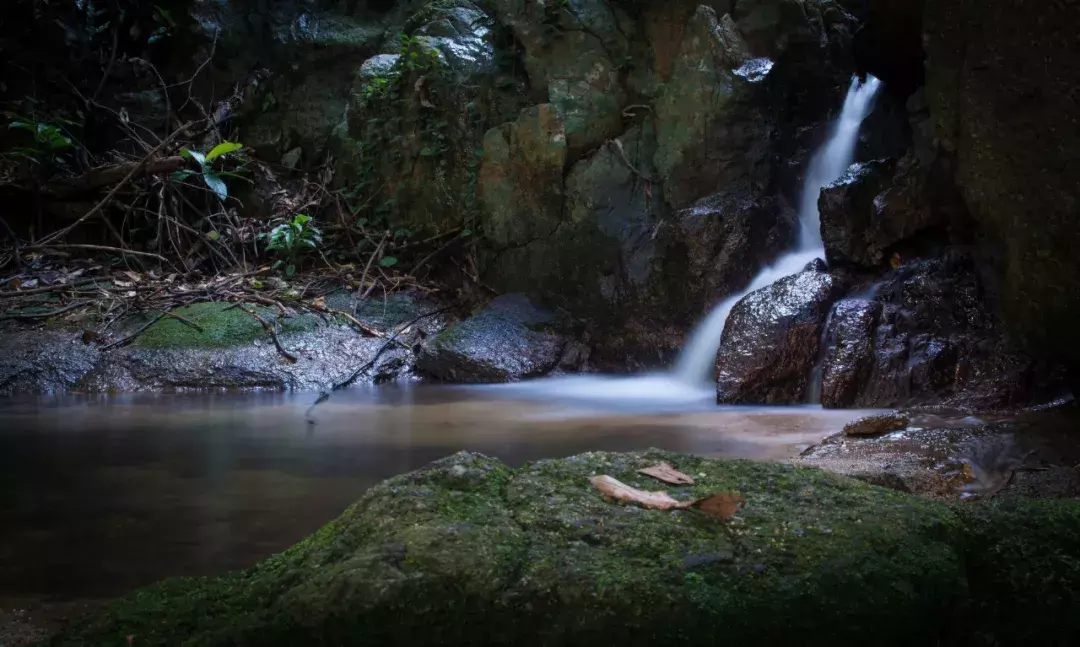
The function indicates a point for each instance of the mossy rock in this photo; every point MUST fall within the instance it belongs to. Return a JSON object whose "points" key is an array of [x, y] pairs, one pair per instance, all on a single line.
{"points": [[222, 326], [468, 551]]}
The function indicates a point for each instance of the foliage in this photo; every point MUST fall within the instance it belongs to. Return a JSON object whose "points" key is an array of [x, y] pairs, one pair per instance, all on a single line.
{"points": [[292, 240], [47, 140], [212, 178]]}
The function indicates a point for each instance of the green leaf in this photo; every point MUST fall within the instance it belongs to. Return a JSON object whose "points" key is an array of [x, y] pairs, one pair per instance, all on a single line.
{"points": [[465, 233], [22, 125], [214, 236], [426, 152], [277, 264], [361, 222], [257, 284], [216, 184], [223, 148], [387, 261], [180, 176], [195, 155], [301, 219], [290, 270]]}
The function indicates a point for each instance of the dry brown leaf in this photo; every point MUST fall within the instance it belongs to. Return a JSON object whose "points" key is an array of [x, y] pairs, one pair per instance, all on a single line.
{"points": [[620, 491], [668, 474], [135, 278], [123, 284], [721, 505], [319, 303]]}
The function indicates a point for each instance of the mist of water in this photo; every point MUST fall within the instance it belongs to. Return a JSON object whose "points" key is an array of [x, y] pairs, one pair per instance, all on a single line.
{"points": [[696, 362]]}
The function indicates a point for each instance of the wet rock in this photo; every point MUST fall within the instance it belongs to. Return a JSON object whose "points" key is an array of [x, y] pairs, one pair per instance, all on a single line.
{"points": [[228, 350], [44, 362], [521, 178], [999, 84], [848, 213], [729, 236], [771, 340], [501, 343], [876, 208], [877, 424], [923, 336]]}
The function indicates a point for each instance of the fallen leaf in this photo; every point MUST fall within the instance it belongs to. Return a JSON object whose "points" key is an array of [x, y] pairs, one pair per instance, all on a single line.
{"points": [[620, 491], [123, 284], [319, 303], [721, 505], [668, 474], [135, 278], [91, 336]]}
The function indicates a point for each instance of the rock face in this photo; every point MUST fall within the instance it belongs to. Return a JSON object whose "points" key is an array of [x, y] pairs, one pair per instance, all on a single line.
{"points": [[999, 84], [498, 344], [771, 340], [543, 558], [924, 335]]}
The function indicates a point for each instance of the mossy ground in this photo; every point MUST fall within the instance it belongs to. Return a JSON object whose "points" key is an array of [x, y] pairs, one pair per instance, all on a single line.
{"points": [[221, 326], [467, 551]]}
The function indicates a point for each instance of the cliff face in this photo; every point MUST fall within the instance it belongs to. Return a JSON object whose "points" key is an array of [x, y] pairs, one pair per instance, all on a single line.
{"points": [[1002, 87]]}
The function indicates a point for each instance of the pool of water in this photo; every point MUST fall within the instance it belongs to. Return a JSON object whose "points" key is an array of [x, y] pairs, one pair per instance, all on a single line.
{"points": [[101, 495]]}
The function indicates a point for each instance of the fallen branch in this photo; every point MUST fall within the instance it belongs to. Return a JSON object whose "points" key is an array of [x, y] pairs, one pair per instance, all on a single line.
{"points": [[273, 334], [109, 175], [51, 288], [185, 321], [130, 338], [43, 315], [101, 248]]}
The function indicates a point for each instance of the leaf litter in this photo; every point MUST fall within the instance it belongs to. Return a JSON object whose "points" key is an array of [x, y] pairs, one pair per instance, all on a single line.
{"points": [[664, 471]]}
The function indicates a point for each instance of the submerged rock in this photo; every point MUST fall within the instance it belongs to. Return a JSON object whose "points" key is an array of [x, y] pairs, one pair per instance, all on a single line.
{"points": [[501, 343], [771, 340], [877, 424], [537, 556]]}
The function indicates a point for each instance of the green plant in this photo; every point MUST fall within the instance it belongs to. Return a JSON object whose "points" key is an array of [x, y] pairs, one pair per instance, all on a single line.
{"points": [[212, 178], [50, 138], [291, 240]]}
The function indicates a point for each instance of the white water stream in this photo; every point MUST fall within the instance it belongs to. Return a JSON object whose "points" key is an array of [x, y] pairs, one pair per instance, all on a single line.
{"points": [[691, 379]]}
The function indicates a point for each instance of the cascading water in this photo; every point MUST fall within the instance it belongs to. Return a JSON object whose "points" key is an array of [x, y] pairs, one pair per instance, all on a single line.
{"points": [[690, 383], [696, 361]]}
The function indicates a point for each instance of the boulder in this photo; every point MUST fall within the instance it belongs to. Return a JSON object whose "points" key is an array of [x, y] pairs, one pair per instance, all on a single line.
{"points": [[877, 424], [501, 343], [849, 216], [924, 335], [879, 207], [468, 551], [770, 343], [1000, 87], [729, 237]]}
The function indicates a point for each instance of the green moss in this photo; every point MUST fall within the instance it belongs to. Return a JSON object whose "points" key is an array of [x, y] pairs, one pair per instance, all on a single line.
{"points": [[466, 551], [221, 327]]}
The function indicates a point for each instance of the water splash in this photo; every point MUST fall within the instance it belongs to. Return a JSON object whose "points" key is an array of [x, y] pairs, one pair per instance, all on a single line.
{"points": [[697, 360]]}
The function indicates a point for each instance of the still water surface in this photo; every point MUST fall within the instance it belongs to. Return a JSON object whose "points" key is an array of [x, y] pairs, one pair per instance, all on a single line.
{"points": [[101, 495]]}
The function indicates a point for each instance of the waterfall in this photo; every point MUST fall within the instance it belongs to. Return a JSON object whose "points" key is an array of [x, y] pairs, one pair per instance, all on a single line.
{"points": [[697, 360]]}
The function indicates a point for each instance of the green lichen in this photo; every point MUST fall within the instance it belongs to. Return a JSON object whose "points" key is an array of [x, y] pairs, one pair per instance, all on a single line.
{"points": [[221, 327], [467, 551]]}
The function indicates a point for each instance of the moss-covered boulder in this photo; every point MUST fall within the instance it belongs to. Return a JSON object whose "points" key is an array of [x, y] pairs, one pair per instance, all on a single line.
{"points": [[468, 551]]}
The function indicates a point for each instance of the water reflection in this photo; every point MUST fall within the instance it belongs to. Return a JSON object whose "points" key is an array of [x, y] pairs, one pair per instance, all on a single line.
{"points": [[99, 495]]}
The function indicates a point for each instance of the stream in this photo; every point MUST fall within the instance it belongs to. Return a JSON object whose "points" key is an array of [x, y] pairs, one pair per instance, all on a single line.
{"points": [[104, 494]]}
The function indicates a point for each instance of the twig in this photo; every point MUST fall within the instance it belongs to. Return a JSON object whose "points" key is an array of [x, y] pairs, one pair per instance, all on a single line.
{"points": [[273, 335], [186, 321], [356, 322], [44, 315], [101, 248], [370, 260], [355, 374], [130, 338]]}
